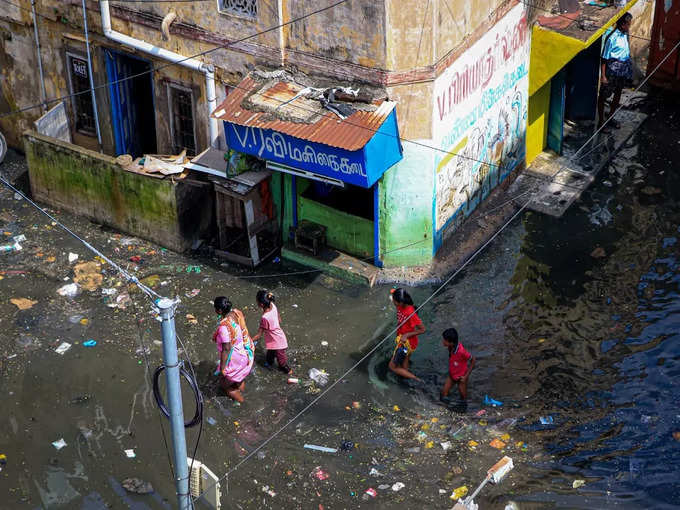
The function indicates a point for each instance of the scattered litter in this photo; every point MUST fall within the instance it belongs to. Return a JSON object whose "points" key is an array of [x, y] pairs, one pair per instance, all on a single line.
{"points": [[293, 380], [546, 420], [295, 306], [598, 253], [193, 293], [136, 259], [429, 444], [318, 376], [130, 453], [12, 356], [356, 405], [17, 196], [650, 190], [84, 321], [211, 420], [23, 303], [459, 492], [191, 319], [90, 343], [72, 257], [321, 448], [70, 290], [446, 445], [398, 486], [375, 472], [276, 260], [10, 247], [268, 491], [195, 269], [137, 486], [347, 446], [109, 292], [472, 444], [371, 492], [88, 275], [320, 474], [396, 408], [59, 444], [480, 412], [63, 347], [324, 343], [676, 434], [383, 487], [578, 483], [415, 449], [497, 443], [488, 401], [80, 399]]}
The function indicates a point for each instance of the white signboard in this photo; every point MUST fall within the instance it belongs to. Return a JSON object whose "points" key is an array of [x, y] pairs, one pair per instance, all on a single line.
{"points": [[480, 114], [55, 124]]}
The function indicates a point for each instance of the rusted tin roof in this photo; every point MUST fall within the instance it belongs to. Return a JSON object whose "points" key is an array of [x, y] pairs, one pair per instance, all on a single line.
{"points": [[320, 125]]}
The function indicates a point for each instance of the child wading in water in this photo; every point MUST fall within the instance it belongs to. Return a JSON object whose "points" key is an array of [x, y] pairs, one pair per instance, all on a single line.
{"points": [[274, 337], [410, 326], [461, 363]]}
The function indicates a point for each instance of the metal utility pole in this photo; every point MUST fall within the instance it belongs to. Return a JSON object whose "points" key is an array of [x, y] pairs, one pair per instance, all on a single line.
{"points": [[171, 361]]}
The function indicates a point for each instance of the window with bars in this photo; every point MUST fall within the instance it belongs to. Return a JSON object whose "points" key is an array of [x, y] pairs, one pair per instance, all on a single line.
{"points": [[245, 8], [81, 100], [181, 102]]}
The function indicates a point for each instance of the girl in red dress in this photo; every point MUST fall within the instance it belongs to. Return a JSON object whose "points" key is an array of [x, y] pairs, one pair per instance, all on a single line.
{"points": [[409, 327]]}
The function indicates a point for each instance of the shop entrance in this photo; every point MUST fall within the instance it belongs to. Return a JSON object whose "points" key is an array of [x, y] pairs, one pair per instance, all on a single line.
{"points": [[132, 105], [573, 98], [346, 212]]}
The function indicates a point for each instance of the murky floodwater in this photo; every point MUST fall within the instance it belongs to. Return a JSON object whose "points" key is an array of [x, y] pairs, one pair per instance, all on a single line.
{"points": [[560, 330]]}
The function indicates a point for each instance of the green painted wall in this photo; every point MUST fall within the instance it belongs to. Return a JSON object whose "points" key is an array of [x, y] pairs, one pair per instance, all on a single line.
{"points": [[93, 185], [406, 198], [347, 233]]}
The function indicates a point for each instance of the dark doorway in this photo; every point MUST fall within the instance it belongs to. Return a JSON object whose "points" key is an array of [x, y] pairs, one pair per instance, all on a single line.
{"points": [[132, 105], [583, 74]]}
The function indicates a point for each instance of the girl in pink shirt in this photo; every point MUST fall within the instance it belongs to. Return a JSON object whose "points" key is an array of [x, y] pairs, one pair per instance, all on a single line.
{"points": [[274, 337]]}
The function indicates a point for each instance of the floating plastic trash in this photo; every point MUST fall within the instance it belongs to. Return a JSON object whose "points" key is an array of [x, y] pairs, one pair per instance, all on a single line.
{"points": [[578, 483], [90, 343], [446, 445], [318, 376], [546, 420], [321, 448], [371, 492], [130, 453], [459, 492], [488, 401], [63, 347], [320, 474], [59, 444], [70, 290], [398, 486]]}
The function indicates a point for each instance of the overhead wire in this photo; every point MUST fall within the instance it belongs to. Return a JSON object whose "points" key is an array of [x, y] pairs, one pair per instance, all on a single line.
{"points": [[427, 300]]}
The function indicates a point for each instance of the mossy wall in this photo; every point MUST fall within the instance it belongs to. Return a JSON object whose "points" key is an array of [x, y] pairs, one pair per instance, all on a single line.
{"points": [[93, 185]]}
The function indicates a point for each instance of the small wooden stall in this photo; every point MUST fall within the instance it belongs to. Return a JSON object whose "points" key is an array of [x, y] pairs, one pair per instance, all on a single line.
{"points": [[247, 228]]}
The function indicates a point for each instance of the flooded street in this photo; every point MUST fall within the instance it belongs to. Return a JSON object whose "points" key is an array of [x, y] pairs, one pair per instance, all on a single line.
{"points": [[573, 321]]}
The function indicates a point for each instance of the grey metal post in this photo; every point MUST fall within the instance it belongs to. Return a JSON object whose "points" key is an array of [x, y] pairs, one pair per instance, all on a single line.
{"points": [[40, 66], [89, 70], [172, 378]]}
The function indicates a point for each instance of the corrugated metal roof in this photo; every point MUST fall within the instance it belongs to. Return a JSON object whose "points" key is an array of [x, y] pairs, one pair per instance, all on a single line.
{"points": [[352, 133]]}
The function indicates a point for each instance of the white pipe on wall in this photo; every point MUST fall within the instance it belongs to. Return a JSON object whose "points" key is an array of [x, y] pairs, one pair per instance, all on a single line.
{"points": [[207, 69]]}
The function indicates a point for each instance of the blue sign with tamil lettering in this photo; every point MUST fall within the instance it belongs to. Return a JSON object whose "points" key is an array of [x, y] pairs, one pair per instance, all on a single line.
{"points": [[352, 167]]}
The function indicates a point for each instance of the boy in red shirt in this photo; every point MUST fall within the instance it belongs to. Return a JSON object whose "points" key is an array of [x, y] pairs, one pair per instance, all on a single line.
{"points": [[461, 363]]}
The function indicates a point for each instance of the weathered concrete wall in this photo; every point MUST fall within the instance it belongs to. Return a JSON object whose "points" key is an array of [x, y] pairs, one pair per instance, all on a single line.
{"points": [[641, 33], [170, 213]]}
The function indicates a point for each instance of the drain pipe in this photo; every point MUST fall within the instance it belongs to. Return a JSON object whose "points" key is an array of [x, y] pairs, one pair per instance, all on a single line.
{"points": [[40, 66], [95, 109], [207, 69]]}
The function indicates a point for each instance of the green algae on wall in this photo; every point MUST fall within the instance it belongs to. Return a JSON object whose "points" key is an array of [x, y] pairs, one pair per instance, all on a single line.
{"points": [[93, 185]]}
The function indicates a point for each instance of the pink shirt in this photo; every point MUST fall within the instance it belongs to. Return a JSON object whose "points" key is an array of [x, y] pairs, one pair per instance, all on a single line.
{"points": [[274, 337], [222, 337]]}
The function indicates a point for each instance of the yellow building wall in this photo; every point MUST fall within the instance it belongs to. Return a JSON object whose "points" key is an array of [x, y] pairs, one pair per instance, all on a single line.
{"points": [[537, 126]]}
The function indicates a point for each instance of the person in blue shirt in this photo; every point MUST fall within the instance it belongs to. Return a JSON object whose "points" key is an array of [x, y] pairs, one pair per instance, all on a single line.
{"points": [[617, 68]]}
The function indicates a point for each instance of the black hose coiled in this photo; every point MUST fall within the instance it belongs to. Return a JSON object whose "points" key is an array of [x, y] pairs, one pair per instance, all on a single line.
{"points": [[198, 396]]}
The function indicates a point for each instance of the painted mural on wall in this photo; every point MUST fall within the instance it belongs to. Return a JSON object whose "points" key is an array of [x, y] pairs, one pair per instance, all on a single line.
{"points": [[480, 116]]}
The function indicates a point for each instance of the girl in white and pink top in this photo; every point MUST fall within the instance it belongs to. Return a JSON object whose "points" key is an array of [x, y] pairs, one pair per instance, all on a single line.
{"points": [[274, 337]]}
